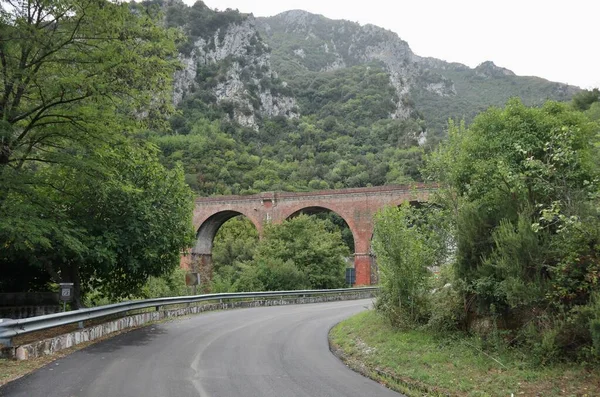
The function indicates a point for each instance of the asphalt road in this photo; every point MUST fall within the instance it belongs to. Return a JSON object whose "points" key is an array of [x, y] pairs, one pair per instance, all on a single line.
{"points": [[276, 351]]}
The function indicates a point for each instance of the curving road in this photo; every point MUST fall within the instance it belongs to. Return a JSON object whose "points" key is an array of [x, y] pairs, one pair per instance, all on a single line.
{"points": [[263, 352]]}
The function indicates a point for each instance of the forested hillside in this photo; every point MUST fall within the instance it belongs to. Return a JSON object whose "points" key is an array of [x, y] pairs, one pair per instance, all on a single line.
{"points": [[300, 102]]}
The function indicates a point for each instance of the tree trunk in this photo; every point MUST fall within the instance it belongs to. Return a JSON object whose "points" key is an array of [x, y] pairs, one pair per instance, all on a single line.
{"points": [[4, 154]]}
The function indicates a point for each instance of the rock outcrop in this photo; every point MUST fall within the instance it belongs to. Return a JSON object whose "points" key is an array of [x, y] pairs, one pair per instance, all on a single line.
{"points": [[248, 82], [345, 43]]}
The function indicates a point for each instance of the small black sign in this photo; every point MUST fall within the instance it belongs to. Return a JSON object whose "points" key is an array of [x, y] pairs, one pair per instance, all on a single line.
{"points": [[66, 292], [350, 276]]}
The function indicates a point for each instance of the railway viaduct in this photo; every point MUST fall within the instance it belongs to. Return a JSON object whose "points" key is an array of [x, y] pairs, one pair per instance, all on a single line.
{"points": [[356, 206]]}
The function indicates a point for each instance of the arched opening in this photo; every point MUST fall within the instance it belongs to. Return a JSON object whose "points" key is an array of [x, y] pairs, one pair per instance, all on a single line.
{"points": [[234, 245], [336, 220], [237, 228], [336, 223]]}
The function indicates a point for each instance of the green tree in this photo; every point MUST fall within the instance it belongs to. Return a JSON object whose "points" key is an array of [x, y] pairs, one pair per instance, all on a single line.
{"points": [[408, 243], [584, 99], [112, 226], [235, 242], [271, 275], [311, 245], [522, 187], [80, 199], [77, 72]]}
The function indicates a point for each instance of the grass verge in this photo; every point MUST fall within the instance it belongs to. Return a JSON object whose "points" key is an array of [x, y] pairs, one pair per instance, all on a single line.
{"points": [[419, 363]]}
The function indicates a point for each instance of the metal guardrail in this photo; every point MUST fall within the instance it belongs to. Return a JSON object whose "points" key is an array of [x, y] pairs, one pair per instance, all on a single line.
{"points": [[11, 328]]}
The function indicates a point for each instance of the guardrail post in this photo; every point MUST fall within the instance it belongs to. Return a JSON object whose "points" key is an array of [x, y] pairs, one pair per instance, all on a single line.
{"points": [[80, 325], [7, 342]]}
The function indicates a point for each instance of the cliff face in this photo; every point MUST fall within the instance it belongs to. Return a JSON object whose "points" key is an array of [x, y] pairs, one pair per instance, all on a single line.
{"points": [[233, 68], [319, 44]]}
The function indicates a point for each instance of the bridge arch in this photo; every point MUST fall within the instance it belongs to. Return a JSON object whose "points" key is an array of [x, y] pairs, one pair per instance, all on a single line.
{"points": [[313, 210], [360, 222], [207, 230], [205, 236]]}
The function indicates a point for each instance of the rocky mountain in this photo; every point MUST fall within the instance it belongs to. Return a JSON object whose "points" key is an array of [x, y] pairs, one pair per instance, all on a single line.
{"points": [[314, 43], [226, 62], [299, 102], [253, 68], [436, 89]]}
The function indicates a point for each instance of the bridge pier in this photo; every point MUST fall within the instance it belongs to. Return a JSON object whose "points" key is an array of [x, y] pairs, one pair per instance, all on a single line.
{"points": [[362, 267], [203, 264]]}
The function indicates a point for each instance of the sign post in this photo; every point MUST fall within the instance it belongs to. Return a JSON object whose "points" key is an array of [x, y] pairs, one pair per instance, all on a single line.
{"points": [[66, 294]]}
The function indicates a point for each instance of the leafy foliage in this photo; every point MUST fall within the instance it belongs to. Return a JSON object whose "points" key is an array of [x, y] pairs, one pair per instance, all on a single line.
{"points": [[108, 227], [310, 245], [346, 142], [584, 100], [522, 186], [77, 72], [170, 284], [80, 199], [408, 242], [475, 93], [235, 241], [588, 101], [302, 252], [198, 21]]}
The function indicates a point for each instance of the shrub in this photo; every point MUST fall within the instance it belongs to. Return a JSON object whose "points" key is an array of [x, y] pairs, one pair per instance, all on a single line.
{"points": [[407, 242]]}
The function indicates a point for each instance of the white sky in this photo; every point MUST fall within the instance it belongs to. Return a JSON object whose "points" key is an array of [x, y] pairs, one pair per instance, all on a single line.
{"points": [[555, 39]]}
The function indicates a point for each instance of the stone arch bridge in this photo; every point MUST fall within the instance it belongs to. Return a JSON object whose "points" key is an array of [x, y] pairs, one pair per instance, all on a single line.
{"points": [[356, 206]]}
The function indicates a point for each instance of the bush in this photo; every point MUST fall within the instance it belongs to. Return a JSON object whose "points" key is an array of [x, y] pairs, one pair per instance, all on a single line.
{"points": [[274, 275], [282, 276], [172, 284], [311, 245], [223, 280], [407, 243], [447, 312], [248, 279]]}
